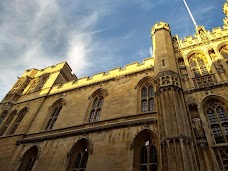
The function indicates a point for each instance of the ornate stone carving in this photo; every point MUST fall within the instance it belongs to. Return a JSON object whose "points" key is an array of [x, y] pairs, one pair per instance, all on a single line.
{"points": [[222, 157], [167, 78], [198, 128]]}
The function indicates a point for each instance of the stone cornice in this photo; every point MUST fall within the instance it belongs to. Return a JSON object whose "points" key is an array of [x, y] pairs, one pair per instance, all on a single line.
{"points": [[140, 119]]}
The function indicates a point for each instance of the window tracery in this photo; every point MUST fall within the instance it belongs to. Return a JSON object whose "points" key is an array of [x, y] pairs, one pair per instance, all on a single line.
{"points": [[54, 110], [79, 156], [7, 122], [29, 159], [96, 108], [218, 120], [18, 120], [3, 115], [147, 98], [145, 152], [148, 153], [198, 64]]}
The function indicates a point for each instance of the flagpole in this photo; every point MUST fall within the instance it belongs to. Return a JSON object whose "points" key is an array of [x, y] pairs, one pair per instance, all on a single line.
{"points": [[193, 20]]}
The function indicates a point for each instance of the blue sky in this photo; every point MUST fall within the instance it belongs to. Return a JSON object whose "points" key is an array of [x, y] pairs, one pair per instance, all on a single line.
{"points": [[91, 35]]}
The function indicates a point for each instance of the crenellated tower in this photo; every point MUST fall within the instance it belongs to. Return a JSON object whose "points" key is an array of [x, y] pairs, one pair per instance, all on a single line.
{"points": [[175, 135]]}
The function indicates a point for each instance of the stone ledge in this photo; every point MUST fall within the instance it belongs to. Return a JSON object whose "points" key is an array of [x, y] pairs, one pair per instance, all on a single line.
{"points": [[90, 128]]}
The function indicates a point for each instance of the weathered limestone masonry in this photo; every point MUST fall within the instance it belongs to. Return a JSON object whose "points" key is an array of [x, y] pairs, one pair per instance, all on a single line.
{"points": [[175, 133], [168, 113]]}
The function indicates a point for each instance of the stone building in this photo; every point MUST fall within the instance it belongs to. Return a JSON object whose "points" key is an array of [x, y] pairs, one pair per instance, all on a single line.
{"points": [[169, 113]]}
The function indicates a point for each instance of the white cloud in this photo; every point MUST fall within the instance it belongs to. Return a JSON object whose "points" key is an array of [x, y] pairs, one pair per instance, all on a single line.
{"points": [[36, 34]]}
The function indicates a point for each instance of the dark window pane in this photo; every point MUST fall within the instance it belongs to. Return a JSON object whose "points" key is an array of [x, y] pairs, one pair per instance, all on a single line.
{"points": [[143, 155], [144, 105], [218, 134], [97, 115], [78, 161], [153, 167], [151, 104], [211, 115], [95, 102], [84, 160], [221, 113], [92, 115], [144, 92], [100, 102], [143, 168], [151, 91], [153, 154]]}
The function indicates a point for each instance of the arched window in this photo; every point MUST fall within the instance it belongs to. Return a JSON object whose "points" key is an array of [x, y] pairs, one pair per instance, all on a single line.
{"points": [[7, 122], [198, 64], [18, 120], [96, 109], [79, 155], [28, 159], [147, 98], [54, 110], [218, 119], [148, 154], [145, 152], [3, 115]]}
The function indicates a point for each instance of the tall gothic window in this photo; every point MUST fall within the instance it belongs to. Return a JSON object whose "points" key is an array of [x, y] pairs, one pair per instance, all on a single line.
{"points": [[29, 159], [148, 157], [54, 110], [198, 65], [147, 98], [145, 152], [96, 108], [18, 120], [79, 155], [218, 119], [7, 122], [3, 115]]}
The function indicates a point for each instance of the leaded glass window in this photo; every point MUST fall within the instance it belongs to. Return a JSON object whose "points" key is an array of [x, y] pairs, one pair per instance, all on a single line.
{"points": [[79, 155], [198, 65], [218, 120], [96, 108], [18, 120], [54, 116], [147, 98], [28, 159], [7, 122], [148, 157]]}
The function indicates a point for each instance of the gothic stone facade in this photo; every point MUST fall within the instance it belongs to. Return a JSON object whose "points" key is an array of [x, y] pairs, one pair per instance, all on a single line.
{"points": [[169, 113]]}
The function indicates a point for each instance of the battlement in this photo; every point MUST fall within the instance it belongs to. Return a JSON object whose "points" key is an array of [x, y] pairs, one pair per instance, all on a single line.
{"points": [[160, 25], [194, 40], [36, 72], [104, 76]]}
